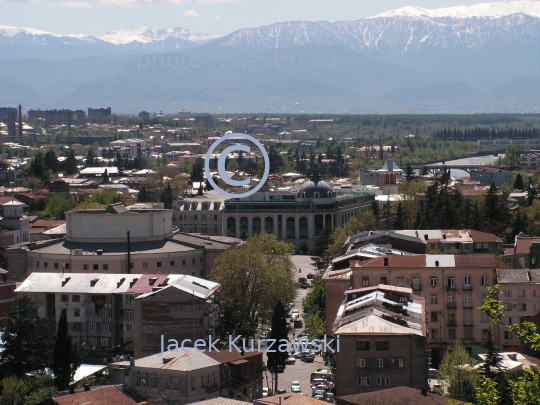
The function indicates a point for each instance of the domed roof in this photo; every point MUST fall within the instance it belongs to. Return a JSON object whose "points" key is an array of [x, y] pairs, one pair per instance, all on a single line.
{"points": [[316, 189]]}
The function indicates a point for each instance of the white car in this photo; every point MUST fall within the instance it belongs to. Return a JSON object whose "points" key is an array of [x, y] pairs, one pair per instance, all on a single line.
{"points": [[265, 392], [294, 312], [295, 386]]}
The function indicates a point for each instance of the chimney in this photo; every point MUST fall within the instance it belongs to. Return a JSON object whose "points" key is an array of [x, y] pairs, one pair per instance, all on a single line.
{"points": [[424, 392], [87, 387], [132, 362], [11, 123], [20, 121], [72, 389]]}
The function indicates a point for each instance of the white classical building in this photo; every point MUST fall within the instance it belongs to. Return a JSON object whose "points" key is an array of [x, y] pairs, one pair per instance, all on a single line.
{"points": [[14, 225]]}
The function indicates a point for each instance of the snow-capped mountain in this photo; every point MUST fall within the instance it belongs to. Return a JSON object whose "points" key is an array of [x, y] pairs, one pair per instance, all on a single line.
{"points": [[147, 35]]}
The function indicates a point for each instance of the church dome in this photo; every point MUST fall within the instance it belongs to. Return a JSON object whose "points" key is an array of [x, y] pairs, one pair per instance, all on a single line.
{"points": [[316, 189]]}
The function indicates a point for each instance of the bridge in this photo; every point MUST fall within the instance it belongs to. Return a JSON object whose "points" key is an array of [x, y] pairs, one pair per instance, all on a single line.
{"points": [[438, 167]]}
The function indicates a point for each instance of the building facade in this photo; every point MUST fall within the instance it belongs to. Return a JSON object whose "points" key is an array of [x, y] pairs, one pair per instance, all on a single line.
{"points": [[382, 333], [58, 117], [98, 114]]}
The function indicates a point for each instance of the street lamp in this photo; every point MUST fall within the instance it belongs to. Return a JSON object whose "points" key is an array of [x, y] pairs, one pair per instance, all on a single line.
{"points": [[146, 385]]}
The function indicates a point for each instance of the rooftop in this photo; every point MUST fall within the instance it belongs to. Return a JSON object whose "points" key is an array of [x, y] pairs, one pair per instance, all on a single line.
{"points": [[430, 261], [395, 396], [96, 396], [509, 276], [182, 360], [289, 399]]}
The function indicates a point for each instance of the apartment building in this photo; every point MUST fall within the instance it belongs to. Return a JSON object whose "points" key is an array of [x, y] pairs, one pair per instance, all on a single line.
{"points": [[520, 296], [186, 376], [382, 333], [102, 315], [452, 285], [98, 114], [57, 117], [529, 161], [7, 296]]}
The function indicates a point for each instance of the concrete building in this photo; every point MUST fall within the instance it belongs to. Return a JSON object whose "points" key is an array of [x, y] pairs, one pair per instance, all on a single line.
{"points": [[529, 161], [200, 214], [489, 175], [145, 116], [520, 296], [104, 314], [5, 111], [98, 114], [7, 286], [14, 224], [453, 286], [57, 117], [97, 240], [187, 376], [382, 333]]}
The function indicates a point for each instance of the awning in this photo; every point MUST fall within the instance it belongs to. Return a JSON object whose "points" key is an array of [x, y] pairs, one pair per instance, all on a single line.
{"points": [[238, 362], [86, 370]]}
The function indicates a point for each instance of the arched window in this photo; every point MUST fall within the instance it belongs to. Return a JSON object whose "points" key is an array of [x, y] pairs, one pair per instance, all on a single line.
{"points": [[291, 228], [231, 227], [315, 195], [269, 225], [138, 379], [318, 222], [303, 227], [244, 228], [154, 380], [145, 381], [255, 226]]}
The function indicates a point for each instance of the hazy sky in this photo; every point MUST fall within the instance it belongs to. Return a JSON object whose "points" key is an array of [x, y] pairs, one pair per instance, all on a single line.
{"points": [[218, 17]]}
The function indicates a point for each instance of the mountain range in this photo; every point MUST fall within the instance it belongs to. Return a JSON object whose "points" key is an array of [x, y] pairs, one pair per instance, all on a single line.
{"points": [[466, 59]]}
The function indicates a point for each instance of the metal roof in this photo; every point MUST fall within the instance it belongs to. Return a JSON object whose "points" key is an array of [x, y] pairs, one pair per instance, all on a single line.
{"points": [[182, 360], [193, 285], [440, 261]]}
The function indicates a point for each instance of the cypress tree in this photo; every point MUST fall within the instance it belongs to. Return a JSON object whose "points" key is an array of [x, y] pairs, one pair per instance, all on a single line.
{"points": [[66, 357], [276, 359]]}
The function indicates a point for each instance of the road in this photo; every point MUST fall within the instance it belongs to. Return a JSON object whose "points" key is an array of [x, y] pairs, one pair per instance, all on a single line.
{"points": [[300, 371]]}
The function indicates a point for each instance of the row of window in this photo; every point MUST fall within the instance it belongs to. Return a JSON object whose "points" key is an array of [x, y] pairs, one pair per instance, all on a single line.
{"points": [[365, 345], [93, 341], [433, 281], [105, 266], [520, 306], [521, 293], [204, 217], [361, 363], [366, 381], [173, 382]]}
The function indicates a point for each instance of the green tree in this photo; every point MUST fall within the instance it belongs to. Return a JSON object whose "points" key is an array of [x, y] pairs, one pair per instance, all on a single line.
{"points": [[29, 391], [37, 168], [167, 196], [518, 182], [314, 326], [56, 207], [253, 277], [277, 357], [70, 164], [315, 301], [197, 173], [457, 376], [66, 358], [492, 362], [28, 339], [320, 247], [51, 161], [91, 158]]}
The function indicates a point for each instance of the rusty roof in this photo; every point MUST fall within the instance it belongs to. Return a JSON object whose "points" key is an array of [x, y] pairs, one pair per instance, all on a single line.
{"points": [[395, 396], [99, 396], [289, 399]]}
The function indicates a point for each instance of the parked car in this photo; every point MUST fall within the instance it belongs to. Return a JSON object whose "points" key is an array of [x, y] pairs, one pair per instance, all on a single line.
{"points": [[294, 312], [281, 391], [318, 394], [304, 286], [297, 355], [329, 397], [295, 385], [298, 323], [294, 318], [308, 358], [302, 334], [265, 392], [302, 279], [310, 276], [290, 360]]}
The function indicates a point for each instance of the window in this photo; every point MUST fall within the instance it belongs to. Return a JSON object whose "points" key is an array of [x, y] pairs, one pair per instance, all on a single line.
{"points": [[105, 327], [137, 379], [522, 307], [451, 299], [92, 312], [92, 341], [129, 299], [105, 267], [104, 313], [202, 381], [434, 334], [383, 279], [383, 381], [433, 281], [360, 362], [183, 262], [129, 313], [521, 293], [66, 266], [380, 363], [77, 326], [451, 283], [37, 264], [400, 282], [55, 265], [451, 333], [434, 316], [85, 267], [75, 298], [467, 299], [382, 345], [192, 261], [168, 383], [467, 282], [359, 381], [362, 345], [77, 312], [104, 342], [171, 263], [365, 281], [92, 326], [145, 265], [507, 293], [45, 264], [154, 380], [507, 335], [400, 363], [64, 298], [508, 306], [434, 299], [200, 260], [129, 327], [484, 281], [158, 264], [175, 383], [95, 266], [468, 333], [485, 318]]}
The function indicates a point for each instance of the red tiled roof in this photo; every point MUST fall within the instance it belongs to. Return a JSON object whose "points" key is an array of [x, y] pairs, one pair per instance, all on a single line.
{"points": [[7, 199], [524, 243], [398, 395], [475, 260], [142, 285], [46, 223], [484, 237], [473, 192], [289, 399], [100, 396], [226, 356], [34, 195]]}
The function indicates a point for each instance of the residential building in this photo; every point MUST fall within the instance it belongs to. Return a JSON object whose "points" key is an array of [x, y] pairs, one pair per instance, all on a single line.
{"points": [[14, 224], [489, 175], [289, 398], [200, 214], [382, 332], [98, 114], [188, 375], [58, 117], [453, 286], [97, 241], [529, 161], [104, 395], [7, 296], [105, 316], [145, 116], [525, 252], [520, 297], [5, 111], [396, 396], [511, 362], [220, 401]]}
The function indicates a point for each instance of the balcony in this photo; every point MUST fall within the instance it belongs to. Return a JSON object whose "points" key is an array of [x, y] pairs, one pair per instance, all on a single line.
{"points": [[467, 323], [468, 341], [467, 305], [417, 287], [450, 288], [451, 305], [451, 324], [211, 388], [467, 288]]}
